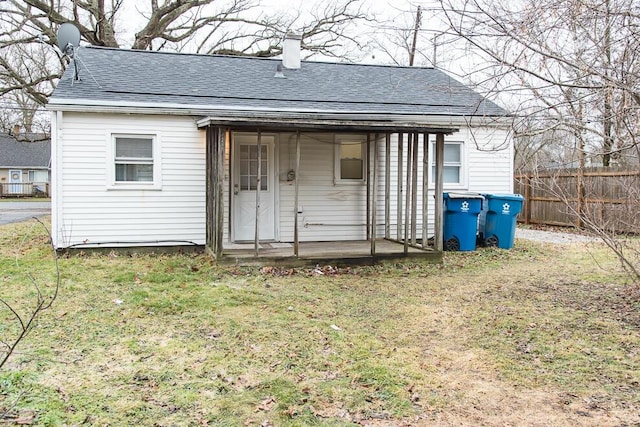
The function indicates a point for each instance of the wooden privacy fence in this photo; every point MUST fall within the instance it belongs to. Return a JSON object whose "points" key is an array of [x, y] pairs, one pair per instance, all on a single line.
{"points": [[608, 198]]}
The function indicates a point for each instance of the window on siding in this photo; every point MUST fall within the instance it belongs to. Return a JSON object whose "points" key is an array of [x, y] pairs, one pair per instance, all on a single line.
{"points": [[350, 156], [133, 159], [452, 172], [38, 176]]}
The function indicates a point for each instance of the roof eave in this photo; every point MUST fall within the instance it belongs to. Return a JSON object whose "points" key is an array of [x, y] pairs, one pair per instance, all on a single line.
{"points": [[443, 120], [319, 124]]}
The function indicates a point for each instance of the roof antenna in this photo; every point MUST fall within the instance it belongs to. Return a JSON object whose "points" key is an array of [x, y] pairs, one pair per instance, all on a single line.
{"points": [[68, 40]]}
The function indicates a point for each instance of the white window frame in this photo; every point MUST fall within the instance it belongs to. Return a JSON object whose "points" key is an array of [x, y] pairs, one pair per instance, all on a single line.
{"points": [[155, 184], [462, 176], [33, 172], [349, 139]]}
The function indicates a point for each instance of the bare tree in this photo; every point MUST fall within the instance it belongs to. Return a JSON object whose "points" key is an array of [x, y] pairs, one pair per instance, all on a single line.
{"points": [[29, 64], [414, 35], [571, 64]]}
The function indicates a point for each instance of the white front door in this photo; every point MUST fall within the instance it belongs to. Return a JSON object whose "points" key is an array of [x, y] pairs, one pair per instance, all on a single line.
{"points": [[15, 177], [245, 185]]}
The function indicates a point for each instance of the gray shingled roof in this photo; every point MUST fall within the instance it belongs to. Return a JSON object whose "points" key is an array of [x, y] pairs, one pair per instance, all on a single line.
{"points": [[18, 154], [130, 78]]}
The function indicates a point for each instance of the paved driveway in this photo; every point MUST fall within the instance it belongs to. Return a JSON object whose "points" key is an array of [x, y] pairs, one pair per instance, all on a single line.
{"points": [[16, 211]]}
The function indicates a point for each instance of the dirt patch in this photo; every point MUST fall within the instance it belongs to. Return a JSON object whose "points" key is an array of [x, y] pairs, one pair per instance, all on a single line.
{"points": [[620, 303]]}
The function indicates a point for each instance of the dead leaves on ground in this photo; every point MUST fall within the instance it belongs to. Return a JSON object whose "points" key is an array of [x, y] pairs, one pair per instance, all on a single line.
{"points": [[318, 270]]}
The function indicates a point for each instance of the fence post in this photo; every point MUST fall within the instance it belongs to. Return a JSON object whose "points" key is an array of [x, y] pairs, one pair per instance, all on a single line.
{"points": [[580, 188], [527, 199]]}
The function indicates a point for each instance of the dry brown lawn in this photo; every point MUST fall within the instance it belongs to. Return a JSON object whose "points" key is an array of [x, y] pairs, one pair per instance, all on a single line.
{"points": [[541, 335]]}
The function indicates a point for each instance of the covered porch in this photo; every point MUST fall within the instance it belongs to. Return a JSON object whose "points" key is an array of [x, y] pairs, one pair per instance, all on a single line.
{"points": [[395, 212]]}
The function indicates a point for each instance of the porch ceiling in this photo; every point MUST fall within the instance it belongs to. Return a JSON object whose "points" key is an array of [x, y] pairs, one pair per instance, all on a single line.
{"points": [[305, 124]]}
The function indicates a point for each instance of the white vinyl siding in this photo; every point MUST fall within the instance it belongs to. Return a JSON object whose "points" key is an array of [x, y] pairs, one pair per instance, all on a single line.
{"points": [[89, 211], [328, 211], [487, 167]]}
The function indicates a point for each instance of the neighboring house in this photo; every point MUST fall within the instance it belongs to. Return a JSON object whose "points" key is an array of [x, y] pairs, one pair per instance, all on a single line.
{"points": [[24, 165], [154, 148]]}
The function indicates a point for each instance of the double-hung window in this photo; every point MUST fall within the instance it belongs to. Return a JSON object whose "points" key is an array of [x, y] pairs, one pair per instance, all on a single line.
{"points": [[38, 176], [350, 158], [135, 161], [452, 172]]}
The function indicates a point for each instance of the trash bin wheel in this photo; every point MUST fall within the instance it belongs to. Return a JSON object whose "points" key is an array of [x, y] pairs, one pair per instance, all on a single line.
{"points": [[452, 244], [491, 241]]}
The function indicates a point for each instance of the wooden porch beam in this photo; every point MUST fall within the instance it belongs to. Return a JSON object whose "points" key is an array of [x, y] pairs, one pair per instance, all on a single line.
{"points": [[414, 188], [438, 214], [219, 190], [407, 196], [399, 189], [387, 185], [425, 189], [374, 204], [368, 180], [210, 203], [256, 240], [296, 243]]}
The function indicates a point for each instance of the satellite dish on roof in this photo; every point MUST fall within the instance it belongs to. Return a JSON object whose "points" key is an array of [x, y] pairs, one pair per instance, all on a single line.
{"points": [[68, 38]]}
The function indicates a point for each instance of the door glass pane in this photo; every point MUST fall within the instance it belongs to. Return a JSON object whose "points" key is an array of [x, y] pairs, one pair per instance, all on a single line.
{"points": [[249, 168]]}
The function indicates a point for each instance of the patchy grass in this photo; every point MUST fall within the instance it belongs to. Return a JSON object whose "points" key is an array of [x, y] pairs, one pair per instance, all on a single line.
{"points": [[538, 335]]}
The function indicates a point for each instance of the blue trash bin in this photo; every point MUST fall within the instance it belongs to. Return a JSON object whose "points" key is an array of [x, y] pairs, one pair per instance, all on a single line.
{"points": [[498, 219], [461, 220]]}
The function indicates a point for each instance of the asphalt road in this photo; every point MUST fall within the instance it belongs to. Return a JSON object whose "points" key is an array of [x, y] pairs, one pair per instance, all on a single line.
{"points": [[16, 211]]}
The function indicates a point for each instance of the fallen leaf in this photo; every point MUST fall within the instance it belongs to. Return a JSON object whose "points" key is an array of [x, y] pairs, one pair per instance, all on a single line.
{"points": [[266, 405]]}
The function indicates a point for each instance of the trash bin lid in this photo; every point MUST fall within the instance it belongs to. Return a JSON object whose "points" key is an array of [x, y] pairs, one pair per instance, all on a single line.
{"points": [[463, 195], [513, 197]]}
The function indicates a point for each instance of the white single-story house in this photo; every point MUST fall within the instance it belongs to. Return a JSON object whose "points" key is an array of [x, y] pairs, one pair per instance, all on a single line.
{"points": [[24, 165], [265, 157]]}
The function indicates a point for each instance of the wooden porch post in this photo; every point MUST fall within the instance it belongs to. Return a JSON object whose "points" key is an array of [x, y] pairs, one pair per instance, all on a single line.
{"points": [[399, 189], [414, 188], [296, 247], [374, 206], [438, 215], [256, 242], [215, 141], [425, 189], [387, 185], [211, 184], [407, 198], [219, 190], [368, 162]]}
